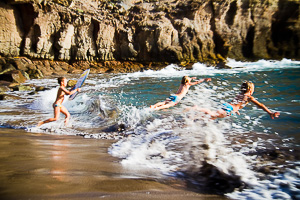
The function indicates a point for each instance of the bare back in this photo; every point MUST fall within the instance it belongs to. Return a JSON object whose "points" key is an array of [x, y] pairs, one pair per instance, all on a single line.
{"points": [[183, 89], [240, 101]]}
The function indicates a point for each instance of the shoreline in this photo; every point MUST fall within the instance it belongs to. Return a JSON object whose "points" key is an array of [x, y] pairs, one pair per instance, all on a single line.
{"points": [[268, 146], [42, 166]]}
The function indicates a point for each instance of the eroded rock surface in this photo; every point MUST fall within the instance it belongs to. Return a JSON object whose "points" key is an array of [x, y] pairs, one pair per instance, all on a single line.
{"points": [[150, 31]]}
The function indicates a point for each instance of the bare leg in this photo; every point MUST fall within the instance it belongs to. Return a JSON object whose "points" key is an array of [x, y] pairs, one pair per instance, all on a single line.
{"points": [[166, 105], [220, 114], [212, 114], [66, 113], [158, 104], [56, 117]]}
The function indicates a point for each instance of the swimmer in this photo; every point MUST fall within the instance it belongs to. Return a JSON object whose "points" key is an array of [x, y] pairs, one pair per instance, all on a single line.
{"points": [[240, 101], [172, 100]]}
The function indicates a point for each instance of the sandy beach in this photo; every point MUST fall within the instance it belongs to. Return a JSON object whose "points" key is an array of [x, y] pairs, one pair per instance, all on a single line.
{"points": [[40, 166]]}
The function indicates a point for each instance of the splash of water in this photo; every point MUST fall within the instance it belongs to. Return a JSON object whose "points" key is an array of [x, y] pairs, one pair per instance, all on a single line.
{"points": [[174, 142]]}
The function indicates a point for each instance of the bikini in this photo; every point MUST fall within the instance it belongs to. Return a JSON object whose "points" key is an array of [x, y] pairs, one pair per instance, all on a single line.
{"points": [[56, 105], [228, 108], [174, 98]]}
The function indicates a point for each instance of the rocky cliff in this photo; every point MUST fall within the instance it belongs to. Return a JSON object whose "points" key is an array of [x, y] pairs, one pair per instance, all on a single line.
{"points": [[183, 31]]}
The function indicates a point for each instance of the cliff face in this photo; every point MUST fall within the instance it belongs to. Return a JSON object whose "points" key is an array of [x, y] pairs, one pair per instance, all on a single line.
{"points": [[150, 31]]}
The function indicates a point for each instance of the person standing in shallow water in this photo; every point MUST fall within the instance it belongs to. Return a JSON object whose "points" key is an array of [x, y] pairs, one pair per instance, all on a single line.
{"points": [[240, 101], [186, 83], [57, 105]]}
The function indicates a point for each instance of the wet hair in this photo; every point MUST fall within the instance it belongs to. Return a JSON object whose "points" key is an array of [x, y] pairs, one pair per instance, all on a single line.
{"points": [[60, 79], [184, 80], [246, 86]]}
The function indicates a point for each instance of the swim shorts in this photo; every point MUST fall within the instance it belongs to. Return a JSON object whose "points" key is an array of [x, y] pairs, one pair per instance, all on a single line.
{"points": [[174, 98], [228, 108]]}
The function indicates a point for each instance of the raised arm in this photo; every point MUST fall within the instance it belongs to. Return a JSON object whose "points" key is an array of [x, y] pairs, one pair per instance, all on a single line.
{"points": [[262, 106]]}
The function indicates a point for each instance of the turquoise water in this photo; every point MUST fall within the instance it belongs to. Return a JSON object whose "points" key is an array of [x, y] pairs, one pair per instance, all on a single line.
{"points": [[175, 142]]}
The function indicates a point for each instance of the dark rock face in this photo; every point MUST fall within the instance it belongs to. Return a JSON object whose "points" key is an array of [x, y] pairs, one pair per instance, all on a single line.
{"points": [[14, 76], [150, 31], [8, 97]]}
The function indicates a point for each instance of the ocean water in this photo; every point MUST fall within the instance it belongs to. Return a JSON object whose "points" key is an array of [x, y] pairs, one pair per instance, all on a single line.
{"points": [[249, 156]]}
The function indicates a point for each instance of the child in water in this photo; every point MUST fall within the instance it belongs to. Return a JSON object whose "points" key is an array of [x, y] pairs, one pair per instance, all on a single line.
{"points": [[186, 83], [240, 101], [57, 105]]}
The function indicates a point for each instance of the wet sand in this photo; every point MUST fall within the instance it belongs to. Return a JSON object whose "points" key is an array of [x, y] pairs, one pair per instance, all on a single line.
{"points": [[40, 166]]}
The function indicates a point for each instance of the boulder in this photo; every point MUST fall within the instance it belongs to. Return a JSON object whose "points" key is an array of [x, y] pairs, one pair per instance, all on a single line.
{"points": [[8, 84], [211, 179], [222, 65], [71, 83], [21, 63], [75, 71], [6, 68], [40, 88], [58, 67], [9, 97], [2, 62], [22, 88], [13, 76], [4, 89], [25, 75], [35, 73]]}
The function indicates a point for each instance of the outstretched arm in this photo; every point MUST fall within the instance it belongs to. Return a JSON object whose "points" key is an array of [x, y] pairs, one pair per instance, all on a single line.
{"points": [[262, 106], [199, 81]]}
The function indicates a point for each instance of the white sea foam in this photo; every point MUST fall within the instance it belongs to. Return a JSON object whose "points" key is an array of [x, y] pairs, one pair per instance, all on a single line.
{"points": [[173, 140], [200, 69], [44, 101], [151, 145], [263, 65], [138, 152], [168, 145], [275, 188]]}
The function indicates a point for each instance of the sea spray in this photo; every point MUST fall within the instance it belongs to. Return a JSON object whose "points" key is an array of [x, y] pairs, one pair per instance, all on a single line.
{"points": [[175, 145], [248, 156], [45, 101]]}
